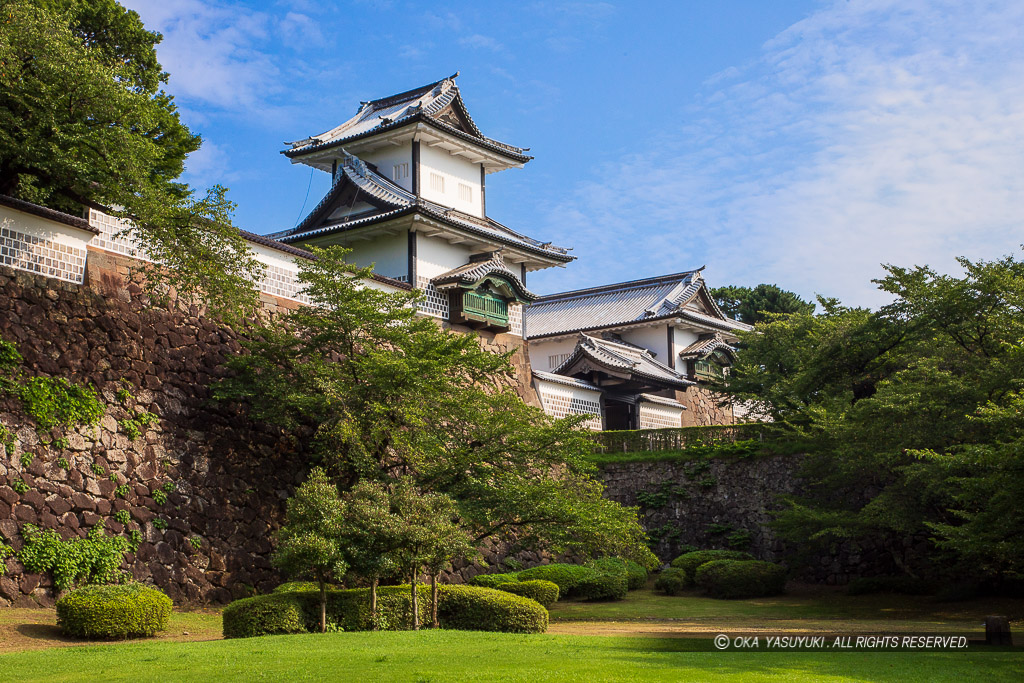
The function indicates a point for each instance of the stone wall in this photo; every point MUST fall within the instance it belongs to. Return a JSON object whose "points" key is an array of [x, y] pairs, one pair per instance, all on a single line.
{"points": [[230, 476], [702, 408], [703, 502]]}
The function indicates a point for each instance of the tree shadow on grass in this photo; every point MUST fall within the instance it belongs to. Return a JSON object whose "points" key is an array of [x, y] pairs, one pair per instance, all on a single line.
{"points": [[44, 632]]}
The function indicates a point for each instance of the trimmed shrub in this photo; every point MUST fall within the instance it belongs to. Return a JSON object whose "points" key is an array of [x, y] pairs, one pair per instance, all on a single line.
{"points": [[472, 608], [113, 611], [469, 607], [566, 576], [741, 578], [302, 586], [689, 562], [603, 587], [264, 615], [903, 585], [298, 611], [492, 580], [636, 575], [544, 592], [671, 581]]}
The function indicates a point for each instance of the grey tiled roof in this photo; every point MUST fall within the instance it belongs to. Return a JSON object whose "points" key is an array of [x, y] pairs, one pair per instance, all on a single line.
{"points": [[353, 171], [420, 104], [705, 345], [627, 358], [623, 303], [48, 213], [662, 400], [567, 381], [474, 271]]}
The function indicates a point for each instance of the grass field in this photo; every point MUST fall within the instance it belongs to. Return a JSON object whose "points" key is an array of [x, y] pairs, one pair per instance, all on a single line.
{"points": [[648, 636], [468, 656]]}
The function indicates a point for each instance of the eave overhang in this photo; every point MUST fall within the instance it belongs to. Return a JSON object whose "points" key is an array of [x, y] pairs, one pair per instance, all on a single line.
{"points": [[494, 156]]}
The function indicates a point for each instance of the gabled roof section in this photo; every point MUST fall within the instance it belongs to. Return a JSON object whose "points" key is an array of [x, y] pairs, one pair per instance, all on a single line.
{"points": [[682, 295], [662, 400], [625, 361], [438, 104], [355, 180], [566, 381], [480, 268], [705, 346]]}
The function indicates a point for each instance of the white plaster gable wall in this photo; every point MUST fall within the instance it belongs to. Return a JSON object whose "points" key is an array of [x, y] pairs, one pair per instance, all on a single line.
{"points": [[386, 158], [390, 253], [357, 207], [542, 351], [683, 338], [653, 338], [455, 171]]}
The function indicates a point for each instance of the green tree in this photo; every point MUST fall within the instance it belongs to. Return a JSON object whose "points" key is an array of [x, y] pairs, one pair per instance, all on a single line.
{"points": [[389, 393], [310, 541], [429, 537], [755, 305], [85, 123], [369, 532], [909, 415]]}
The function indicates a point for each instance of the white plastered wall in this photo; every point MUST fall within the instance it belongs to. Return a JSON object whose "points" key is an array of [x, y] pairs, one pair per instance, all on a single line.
{"points": [[39, 245], [560, 400], [455, 171], [390, 253], [386, 158], [546, 355], [657, 416], [683, 338], [654, 339], [280, 273]]}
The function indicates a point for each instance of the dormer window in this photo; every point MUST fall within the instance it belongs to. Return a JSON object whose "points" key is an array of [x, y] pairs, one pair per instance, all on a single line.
{"points": [[400, 171]]}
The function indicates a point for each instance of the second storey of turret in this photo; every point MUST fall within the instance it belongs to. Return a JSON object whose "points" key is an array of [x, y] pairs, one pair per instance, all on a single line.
{"points": [[409, 196]]}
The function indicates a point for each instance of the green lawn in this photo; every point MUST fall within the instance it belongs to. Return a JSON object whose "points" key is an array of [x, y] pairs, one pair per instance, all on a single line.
{"points": [[461, 656], [647, 636], [813, 608]]}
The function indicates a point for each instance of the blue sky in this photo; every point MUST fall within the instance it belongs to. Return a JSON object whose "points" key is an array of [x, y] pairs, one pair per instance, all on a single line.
{"points": [[796, 142]]}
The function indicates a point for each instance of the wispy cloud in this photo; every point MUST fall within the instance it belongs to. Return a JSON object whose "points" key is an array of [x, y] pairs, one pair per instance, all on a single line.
{"points": [[209, 50], [873, 131], [301, 31], [209, 165], [480, 41]]}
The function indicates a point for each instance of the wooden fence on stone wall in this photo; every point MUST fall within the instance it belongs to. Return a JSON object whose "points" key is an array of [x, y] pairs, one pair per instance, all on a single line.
{"points": [[675, 438]]}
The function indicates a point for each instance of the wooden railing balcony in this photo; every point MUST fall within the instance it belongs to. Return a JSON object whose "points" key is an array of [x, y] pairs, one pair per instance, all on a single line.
{"points": [[486, 308]]}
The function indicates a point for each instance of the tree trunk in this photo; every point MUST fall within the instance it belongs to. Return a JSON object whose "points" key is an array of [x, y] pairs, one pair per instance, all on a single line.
{"points": [[323, 606], [373, 604], [433, 599], [415, 605]]}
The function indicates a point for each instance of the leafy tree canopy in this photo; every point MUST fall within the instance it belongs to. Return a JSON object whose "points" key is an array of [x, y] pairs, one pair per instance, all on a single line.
{"points": [[85, 123], [911, 415], [310, 542], [754, 305], [389, 394]]}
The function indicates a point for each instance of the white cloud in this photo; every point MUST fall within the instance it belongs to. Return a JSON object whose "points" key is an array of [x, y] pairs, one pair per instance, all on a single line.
{"points": [[208, 50], [209, 165], [873, 131], [300, 31], [480, 41]]}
